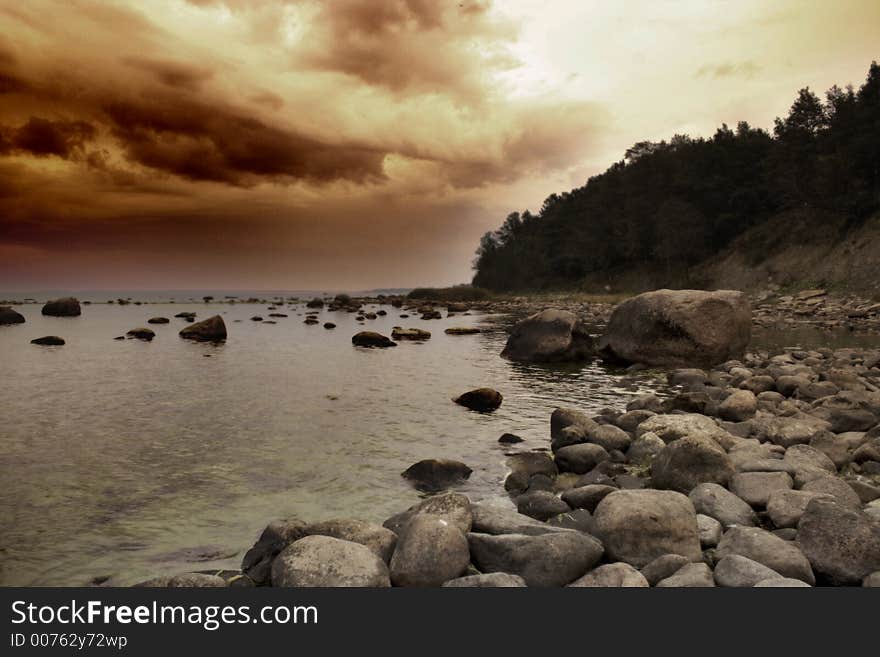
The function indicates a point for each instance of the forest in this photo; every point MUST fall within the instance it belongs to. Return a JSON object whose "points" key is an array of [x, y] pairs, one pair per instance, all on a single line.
{"points": [[672, 205]]}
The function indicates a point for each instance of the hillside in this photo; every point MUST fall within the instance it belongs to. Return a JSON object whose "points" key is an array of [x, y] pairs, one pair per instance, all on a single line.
{"points": [[744, 208]]}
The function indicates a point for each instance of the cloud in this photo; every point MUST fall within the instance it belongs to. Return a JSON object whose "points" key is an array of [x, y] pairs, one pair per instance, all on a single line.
{"points": [[172, 74], [43, 137], [746, 69]]}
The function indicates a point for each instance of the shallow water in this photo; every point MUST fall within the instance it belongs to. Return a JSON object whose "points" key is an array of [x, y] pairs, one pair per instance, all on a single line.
{"points": [[130, 459]]}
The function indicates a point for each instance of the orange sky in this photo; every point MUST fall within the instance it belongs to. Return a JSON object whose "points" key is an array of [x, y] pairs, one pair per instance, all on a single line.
{"points": [[350, 144]]}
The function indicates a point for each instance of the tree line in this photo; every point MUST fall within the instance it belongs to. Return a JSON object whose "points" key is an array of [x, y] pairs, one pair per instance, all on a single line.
{"points": [[673, 204]]}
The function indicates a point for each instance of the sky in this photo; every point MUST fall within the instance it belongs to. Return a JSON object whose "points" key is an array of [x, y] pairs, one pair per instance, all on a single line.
{"points": [[356, 144]]}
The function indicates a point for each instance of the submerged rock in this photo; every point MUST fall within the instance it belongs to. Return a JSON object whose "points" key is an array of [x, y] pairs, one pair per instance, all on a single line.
{"points": [[158, 320], [461, 330], [398, 333], [436, 474], [483, 400], [49, 340], [550, 336], [65, 307], [212, 329], [141, 333], [371, 339], [678, 328], [10, 316]]}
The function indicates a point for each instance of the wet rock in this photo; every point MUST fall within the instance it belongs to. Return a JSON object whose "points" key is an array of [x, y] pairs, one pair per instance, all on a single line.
{"points": [[398, 333], [842, 543], [141, 333], [430, 551], [323, 561], [49, 340], [637, 526], [692, 575], [631, 419], [684, 463], [65, 307], [581, 458], [483, 400], [610, 437], [378, 539], [554, 559], [549, 336], [678, 328], [563, 418], [759, 545], [488, 580], [436, 474], [756, 487], [212, 329], [612, 575], [9, 316], [736, 570], [329, 325], [717, 502], [315, 303], [371, 339]]}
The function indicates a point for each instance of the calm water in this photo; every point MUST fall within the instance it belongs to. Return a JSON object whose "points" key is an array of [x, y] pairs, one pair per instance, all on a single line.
{"points": [[129, 459]]}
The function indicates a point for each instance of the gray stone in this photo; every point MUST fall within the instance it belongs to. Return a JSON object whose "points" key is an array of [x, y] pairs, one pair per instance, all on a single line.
{"points": [[759, 545], [836, 488], [738, 406], [735, 570], [541, 505], [680, 425], [612, 575], [323, 561], [781, 583], [687, 462], [489, 518], [586, 497], [212, 329], [610, 437], [719, 503], [184, 581], [662, 567], [785, 507], [709, 529], [379, 539], [644, 449], [9, 316], [66, 307], [486, 581], [692, 575], [580, 458], [756, 487], [550, 336], [257, 561], [430, 551]]}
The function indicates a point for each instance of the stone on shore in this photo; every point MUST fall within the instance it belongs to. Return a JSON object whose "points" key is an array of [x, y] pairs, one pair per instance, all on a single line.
{"points": [[692, 575], [580, 458], [436, 474], [212, 329], [738, 406], [257, 561], [9, 316], [486, 581], [760, 545], [184, 581], [637, 526], [671, 427], [785, 507], [541, 505], [617, 575], [429, 552], [550, 336], [489, 518], [717, 502], [49, 341], [781, 583], [554, 559], [454, 508], [323, 561], [483, 400], [662, 567], [684, 463], [371, 339], [65, 307], [678, 328], [735, 570], [377, 538], [756, 487]]}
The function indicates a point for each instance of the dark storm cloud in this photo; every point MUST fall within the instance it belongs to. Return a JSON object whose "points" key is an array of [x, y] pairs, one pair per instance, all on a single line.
{"points": [[173, 74], [43, 137]]}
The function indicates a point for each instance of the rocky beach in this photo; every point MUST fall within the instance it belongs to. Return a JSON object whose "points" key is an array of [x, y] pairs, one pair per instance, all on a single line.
{"points": [[748, 467]]}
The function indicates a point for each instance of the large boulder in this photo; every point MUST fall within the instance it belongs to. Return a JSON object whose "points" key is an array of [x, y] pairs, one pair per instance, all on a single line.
{"points": [[490, 518], [212, 329], [10, 316], [323, 561], [550, 336], [768, 549], [637, 526], [842, 544], [675, 328], [436, 474], [455, 508], [554, 559], [686, 462], [430, 551], [66, 307]]}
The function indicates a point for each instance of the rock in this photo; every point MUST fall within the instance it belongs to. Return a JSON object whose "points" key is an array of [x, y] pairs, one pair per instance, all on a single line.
{"points": [[738, 406], [805, 458], [756, 487], [610, 437], [532, 463], [142, 333], [872, 580], [578, 519], [687, 462], [436, 474], [612, 575], [785, 507], [461, 330], [581, 458], [836, 448], [781, 583], [379, 539], [185, 581], [329, 325], [842, 543], [323, 561], [398, 333], [563, 418], [66, 307], [257, 562], [483, 400], [315, 303], [759, 545], [675, 426], [554, 559], [692, 575], [644, 449], [717, 502], [586, 497], [185, 315], [541, 505], [678, 328], [9, 316], [836, 488], [509, 439], [371, 339], [489, 580], [491, 519], [662, 567], [158, 320], [212, 329], [735, 570], [637, 526], [631, 419], [49, 340], [709, 530], [549, 336], [451, 507], [430, 551]]}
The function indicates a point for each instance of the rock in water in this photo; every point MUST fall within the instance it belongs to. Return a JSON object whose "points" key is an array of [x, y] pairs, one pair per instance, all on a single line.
{"points": [[483, 400], [637, 526], [10, 316], [409, 334], [550, 336], [212, 329], [322, 561], [436, 474], [158, 320], [371, 339], [461, 330], [141, 333], [49, 341], [675, 328], [66, 307]]}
